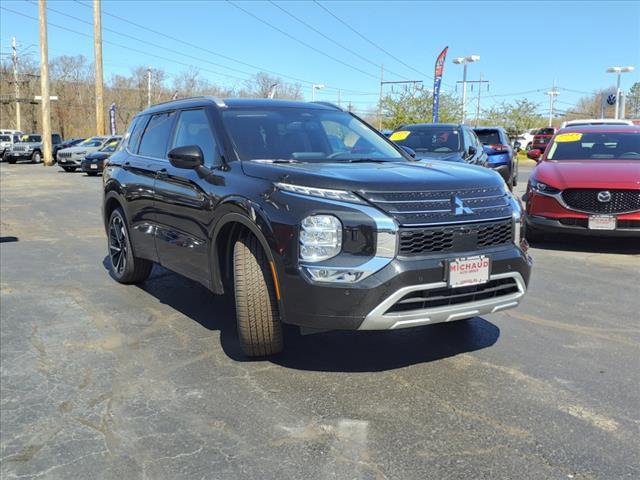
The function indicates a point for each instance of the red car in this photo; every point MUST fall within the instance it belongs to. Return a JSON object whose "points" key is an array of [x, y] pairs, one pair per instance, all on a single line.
{"points": [[587, 182], [542, 138]]}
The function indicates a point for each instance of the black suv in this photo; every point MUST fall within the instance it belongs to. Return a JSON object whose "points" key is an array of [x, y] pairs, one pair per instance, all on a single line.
{"points": [[311, 217], [441, 141]]}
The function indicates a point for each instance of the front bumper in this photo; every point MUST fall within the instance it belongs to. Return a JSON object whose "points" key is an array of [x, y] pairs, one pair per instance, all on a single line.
{"points": [[69, 162], [19, 155], [546, 213], [364, 305], [92, 166]]}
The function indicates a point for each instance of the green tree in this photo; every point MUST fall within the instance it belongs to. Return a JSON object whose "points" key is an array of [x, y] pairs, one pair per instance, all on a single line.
{"points": [[515, 117], [633, 101], [417, 107]]}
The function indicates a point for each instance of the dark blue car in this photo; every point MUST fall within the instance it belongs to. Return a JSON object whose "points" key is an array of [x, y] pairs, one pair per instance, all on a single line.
{"points": [[502, 157]]}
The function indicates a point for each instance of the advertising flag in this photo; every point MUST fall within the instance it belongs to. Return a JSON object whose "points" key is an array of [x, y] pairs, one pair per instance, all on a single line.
{"points": [[437, 79], [112, 118]]}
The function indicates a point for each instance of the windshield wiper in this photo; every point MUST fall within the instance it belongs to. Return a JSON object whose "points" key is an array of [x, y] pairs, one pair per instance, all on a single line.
{"points": [[275, 160], [364, 160]]}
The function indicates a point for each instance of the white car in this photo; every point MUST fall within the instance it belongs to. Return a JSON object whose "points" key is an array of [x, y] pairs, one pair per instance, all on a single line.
{"points": [[7, 139], [526, 138], [595, 121], [71, 158]]}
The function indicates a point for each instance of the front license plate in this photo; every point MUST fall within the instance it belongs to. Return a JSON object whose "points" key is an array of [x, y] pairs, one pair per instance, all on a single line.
{"points": [[602, 222], [469, 271], [94, 166]]}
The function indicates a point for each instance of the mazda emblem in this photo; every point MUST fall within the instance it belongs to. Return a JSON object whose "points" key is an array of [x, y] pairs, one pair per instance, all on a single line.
{"points": [[604, 196]]}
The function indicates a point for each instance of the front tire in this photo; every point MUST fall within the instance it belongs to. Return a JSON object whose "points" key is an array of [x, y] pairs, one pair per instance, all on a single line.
{"points": [[36, 157], [124, 266], [259, 327]]}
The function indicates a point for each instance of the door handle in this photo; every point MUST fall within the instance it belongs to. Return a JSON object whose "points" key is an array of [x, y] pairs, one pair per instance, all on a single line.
{"points": [[162, 172]]}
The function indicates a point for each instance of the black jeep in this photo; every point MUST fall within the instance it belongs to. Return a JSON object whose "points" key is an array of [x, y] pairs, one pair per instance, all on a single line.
{"points": [[311, 217]]}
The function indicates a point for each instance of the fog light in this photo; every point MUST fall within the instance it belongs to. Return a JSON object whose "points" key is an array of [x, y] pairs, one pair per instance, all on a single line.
{"points": [[321, 274], [320, 238]]}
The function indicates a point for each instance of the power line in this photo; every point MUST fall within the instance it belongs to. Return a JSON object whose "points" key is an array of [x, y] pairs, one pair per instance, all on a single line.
{"points": [[212, 52], [302, 42], [311, 27], [370, 41]]}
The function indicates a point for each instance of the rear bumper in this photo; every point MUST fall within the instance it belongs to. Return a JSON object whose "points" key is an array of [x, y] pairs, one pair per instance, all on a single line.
{"points": [[91, 166]]}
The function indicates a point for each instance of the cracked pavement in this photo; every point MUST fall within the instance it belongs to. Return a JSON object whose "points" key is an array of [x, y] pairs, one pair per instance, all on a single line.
{"points": [[105, 381]]}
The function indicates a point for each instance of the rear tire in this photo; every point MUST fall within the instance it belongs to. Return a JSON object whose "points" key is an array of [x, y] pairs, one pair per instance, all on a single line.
{"points": [[12, 161], [259, 327], [124, 266]]}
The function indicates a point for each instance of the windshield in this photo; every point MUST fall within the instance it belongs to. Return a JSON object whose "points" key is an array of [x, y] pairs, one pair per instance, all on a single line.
{"points": [[92, 142], [5, 138], [429, 139], [489, 137], [111, 146], [31, 138], [595, 146], [304, 134]]}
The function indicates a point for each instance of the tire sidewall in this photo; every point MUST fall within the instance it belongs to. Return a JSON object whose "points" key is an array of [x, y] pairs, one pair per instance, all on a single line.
{"points": [[37, 157]]}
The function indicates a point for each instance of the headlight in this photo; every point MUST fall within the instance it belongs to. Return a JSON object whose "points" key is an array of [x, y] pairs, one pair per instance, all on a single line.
{"points": [[320, 192], [542, 187], [320, 238]]}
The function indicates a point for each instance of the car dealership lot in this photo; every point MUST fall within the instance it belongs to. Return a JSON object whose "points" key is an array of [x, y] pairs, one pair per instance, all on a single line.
{"points": [[107, 381]]}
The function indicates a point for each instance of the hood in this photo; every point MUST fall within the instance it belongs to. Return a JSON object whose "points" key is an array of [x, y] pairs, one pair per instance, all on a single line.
{"points": [[443, 157], [388, 176], [77, 149], [589, 173], [98, 155]]}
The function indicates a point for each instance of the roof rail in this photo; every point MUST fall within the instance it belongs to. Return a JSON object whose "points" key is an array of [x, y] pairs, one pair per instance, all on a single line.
{"points": [[218, 101], [329, 104]]}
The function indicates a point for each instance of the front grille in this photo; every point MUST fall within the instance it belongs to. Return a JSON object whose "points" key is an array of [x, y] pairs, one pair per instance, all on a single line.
{"points": [[442, 297], [584, 223], [454, 238], [19, 148], [64, 154], [586, 200], [443, 206]]}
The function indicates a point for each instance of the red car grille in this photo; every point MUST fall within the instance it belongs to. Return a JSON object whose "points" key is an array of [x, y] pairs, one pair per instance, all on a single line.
{"points": [[587, 200]]}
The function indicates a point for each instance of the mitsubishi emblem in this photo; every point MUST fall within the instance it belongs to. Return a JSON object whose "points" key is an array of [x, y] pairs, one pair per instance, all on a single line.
{"points": [[458, 207]]}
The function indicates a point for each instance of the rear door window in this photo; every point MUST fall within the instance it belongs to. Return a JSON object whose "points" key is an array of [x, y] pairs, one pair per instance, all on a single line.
{"points": [[156, 136]]}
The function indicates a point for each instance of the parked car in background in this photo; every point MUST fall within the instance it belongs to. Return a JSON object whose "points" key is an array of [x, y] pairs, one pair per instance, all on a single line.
{"points": [[72, 142], [310, 217], [587, 182], [542, 137], [11, 132], [501, 157], [441, 141], [94, 163], [595, 121], [71, 158], [30, 148], [525, 139], [6, 142]]}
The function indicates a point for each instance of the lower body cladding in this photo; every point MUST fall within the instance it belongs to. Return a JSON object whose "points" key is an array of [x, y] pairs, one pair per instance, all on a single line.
{"points": [[406, 293]]}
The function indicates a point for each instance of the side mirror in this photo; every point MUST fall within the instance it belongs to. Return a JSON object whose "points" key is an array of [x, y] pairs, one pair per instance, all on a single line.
{"points": [[410, 151], [534, 154], [472, 150], [188, 156], [517, 145]]}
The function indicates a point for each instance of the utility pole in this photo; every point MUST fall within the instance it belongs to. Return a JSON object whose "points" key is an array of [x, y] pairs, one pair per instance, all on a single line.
{"points": [[97, 47], [552, 100], [14, 58], [380, 99], [44, 84], [148, 87]]}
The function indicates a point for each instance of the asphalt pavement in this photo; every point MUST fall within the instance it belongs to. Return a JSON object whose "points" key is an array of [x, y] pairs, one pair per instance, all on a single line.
{"points": [[105, 381]]}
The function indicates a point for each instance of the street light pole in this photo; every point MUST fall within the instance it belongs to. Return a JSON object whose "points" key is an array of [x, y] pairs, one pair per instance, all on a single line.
{"points": [[464, 61], [619, 71], [314, 87]]}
